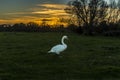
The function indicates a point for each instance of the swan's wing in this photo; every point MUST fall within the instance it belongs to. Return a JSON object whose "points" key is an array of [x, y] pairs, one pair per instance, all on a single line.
{"points": [[58, 48]]}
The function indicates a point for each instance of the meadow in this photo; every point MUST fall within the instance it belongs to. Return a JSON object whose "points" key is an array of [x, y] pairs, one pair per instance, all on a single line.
{"points": [[23, 56]]}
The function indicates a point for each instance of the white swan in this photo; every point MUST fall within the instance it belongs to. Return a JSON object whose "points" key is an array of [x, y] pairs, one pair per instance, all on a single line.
{"points": [[60, 47]]}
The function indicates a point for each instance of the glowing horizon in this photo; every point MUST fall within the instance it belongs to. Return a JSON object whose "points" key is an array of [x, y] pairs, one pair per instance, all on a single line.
{"points": [[35, 12]]}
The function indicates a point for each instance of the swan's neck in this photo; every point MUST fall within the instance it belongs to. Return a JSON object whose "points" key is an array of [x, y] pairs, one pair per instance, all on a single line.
{"points": [[62, 41]]}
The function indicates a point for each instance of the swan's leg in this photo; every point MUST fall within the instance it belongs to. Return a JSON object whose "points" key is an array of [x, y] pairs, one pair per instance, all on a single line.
{"points": [[49, 52], [58, 53], [60, 56]]}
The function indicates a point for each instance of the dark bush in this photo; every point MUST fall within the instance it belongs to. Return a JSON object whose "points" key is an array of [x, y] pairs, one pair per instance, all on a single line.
{"points": [[111, 33]]}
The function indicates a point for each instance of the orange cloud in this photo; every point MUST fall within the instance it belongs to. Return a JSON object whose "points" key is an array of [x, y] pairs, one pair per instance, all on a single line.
{"points": [[50, 9], [54, 6], [51, 12]]}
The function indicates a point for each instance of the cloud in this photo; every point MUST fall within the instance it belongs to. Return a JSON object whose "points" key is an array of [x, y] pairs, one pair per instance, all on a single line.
{"points": [[50, 12], [17, 13], [52, 6]]}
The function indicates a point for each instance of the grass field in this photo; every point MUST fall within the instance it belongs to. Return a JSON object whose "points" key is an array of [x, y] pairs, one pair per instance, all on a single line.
{"points": [[23, 56]]}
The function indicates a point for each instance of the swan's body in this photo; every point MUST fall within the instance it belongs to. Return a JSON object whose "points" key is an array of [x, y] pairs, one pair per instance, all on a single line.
{"points": [[60, 47]]}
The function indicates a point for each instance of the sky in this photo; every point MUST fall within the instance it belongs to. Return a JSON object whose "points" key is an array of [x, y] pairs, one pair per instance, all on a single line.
{"points": [[16, 11], [24, 11]]}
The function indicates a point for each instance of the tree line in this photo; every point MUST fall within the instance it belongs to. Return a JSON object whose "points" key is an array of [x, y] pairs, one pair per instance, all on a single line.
{"points": [[111, 29], [30, 27]]}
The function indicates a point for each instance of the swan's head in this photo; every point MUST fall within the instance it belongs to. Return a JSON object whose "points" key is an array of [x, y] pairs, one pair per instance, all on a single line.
{"points": [[65, 37]]}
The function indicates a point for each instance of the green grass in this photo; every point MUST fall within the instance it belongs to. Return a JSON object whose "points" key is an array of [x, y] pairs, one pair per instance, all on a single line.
{"points": [[23, 56]]}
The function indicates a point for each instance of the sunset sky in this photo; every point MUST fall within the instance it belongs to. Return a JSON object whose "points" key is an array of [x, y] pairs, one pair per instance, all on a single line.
{"points": [[16, 11]]}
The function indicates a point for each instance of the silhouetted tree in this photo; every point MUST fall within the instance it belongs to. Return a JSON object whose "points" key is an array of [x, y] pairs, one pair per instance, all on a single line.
{"points": [[118, 6], [18, 27], [114, 11], [88, 11]]}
